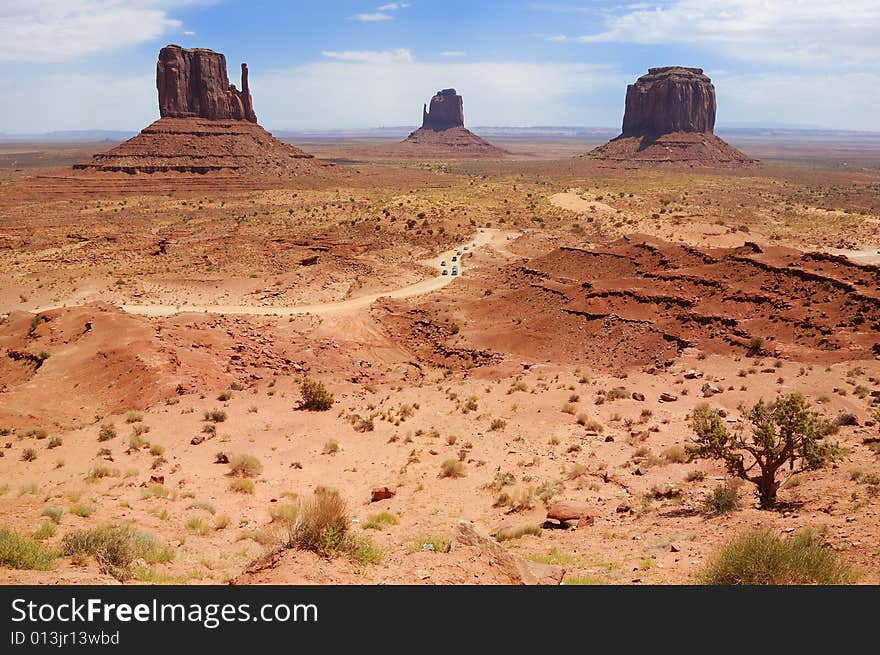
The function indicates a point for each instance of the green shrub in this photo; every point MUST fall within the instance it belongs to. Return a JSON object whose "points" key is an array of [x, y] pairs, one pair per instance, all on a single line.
{"points": [[44, 531], [760, 557], [197, 526], [723, 499], [134, 417], [675, 454], [115, 548], [695, 476], [315, 396], [155, 491], [28, 455], [23, 553], [54, 442], [54, 513], [215, 415], [378, 521], [108, 431], [83, 511]]}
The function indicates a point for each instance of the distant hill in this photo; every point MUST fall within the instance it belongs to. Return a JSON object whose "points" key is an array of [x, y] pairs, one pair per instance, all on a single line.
{"points": [[69, 135]]}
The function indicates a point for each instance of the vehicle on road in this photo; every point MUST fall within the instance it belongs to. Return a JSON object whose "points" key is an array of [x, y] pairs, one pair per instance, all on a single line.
{"points": [[443, 263], [455, 270], [445, 272], [454, 258], [466, 247]]}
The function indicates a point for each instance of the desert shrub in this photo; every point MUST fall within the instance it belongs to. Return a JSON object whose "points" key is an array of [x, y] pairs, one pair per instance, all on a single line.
{"points": [[54, 513], [241, 486], [432, 543], [548, 489], [321, 525], [23, 553], [44, 531], [785, 431], [155, 491], [315, 396], [54, 442], [208, 507], [695, 476], [515, 533], [723, 499], [378, 521], [83, 511], [136, 442], [364, 551], [101, 471], [197, 526], [134, 417], [245, 466], [569, 408], [498, 424], [115, 548], [760, 557], [157, 450], [28, 455], [756, 347], [331, 447], [452, 468], [675, 454], [215, 415], [225, 396], [107, 432], [221, 522]]}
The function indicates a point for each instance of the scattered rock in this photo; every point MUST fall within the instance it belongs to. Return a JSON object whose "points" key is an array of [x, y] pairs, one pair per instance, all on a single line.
{"points": [[195, 441], [709, 390], [519, 570], [666, 397], [565, 511], [382, 493], [638, 396]]}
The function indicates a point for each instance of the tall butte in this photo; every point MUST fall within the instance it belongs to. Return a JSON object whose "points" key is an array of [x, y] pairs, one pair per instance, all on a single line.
{"points": [[207, 125], [443, 133], [670, 117]]}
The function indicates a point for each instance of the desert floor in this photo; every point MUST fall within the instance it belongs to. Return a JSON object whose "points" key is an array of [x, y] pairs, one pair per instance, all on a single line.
{"points": [[584, 294]]}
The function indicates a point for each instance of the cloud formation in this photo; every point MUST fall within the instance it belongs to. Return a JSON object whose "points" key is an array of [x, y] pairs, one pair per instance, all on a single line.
{"points": [[52, 31]]}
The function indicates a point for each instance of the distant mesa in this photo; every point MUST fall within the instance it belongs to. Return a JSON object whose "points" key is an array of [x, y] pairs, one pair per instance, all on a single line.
{"points": [[670, 117], [207, 125], [447, 111], [443, 134]]}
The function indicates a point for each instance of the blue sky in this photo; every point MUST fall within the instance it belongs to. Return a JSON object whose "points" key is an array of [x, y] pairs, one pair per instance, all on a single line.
{"points": [[87, 64]]}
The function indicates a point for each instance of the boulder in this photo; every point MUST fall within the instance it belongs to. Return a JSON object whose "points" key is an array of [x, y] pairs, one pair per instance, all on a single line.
{"points": [[382, 493], [565, 511], [519, 570]]}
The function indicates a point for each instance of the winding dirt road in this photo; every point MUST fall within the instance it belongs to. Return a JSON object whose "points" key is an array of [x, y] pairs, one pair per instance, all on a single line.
{"points": [[483, 237]]}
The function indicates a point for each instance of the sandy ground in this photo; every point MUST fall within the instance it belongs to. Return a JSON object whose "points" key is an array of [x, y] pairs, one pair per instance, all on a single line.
{"points": [[590, 293]]}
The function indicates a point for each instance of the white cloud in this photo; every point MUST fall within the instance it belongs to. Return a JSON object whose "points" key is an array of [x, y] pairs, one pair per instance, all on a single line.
{"points": [[52, 30], [352, 93], [394, 6], [189, 33], [453, 53], [371, 18], [795, 33], [401, 55]]}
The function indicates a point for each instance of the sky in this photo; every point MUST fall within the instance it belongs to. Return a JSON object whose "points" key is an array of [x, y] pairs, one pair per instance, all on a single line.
{"points": [[344, 64]]}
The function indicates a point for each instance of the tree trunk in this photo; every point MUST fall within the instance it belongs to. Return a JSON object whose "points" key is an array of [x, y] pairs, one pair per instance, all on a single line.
{"points": [[767, 488]]}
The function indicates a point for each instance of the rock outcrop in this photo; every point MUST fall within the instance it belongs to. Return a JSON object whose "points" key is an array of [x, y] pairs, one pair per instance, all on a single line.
{"points": [[446, 111], [193, 84], [207, 126], [443, 134], [670, 118], [670, 99]]}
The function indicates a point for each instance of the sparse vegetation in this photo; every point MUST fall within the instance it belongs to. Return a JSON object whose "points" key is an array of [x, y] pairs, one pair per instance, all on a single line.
{"points": [[24, 553], [723, 499], [760, 557], [245, 466], [452, 468], [115, 548], [315, 396], [785, 431]]}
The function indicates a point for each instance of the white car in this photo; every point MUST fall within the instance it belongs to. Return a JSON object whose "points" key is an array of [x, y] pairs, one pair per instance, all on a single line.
{"points": [[455, 270]]}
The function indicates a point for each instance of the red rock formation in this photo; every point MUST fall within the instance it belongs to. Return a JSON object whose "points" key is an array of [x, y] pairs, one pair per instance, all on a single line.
{"points": [[446, 111], [193, 84], [207, 126], [443, 134], [670, 118], [670, 99]]}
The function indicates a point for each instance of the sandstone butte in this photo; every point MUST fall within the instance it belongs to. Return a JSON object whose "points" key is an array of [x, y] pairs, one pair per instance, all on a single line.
{"points": [[670, 117], [206, 125], [443, 134]]}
